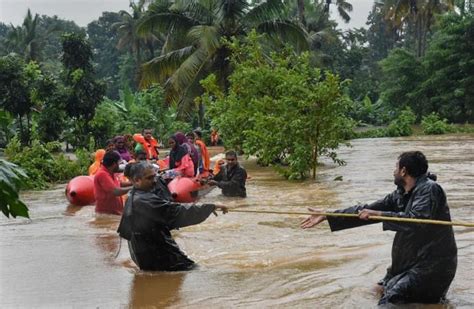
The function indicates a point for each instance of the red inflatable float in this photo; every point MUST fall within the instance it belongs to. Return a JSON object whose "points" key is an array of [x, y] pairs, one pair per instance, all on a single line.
{"points": [[80, 191]]}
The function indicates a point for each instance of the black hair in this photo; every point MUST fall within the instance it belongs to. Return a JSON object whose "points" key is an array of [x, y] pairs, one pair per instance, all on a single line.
{"points": [[198, 133], [190, 134], [414, 162], [231, 153], [138, 169], [128, 171], [110, 158]]}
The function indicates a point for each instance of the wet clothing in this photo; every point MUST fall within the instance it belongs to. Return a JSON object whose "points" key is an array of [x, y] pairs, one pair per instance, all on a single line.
{"points": [[149, 146], [146, 224], [104, 185], [424, 256], [193, 152], [232, 180]]}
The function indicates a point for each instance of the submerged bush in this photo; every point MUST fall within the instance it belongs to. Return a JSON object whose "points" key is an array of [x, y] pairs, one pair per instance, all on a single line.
{"points": [[432, 124], [401, 126], [41, 165]]}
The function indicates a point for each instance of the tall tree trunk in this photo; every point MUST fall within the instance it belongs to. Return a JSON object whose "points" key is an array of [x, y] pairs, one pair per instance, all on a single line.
{"points": [[301, 12]]}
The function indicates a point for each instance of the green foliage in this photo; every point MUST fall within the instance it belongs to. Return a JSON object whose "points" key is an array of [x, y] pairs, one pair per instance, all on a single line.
{"points": [[449, 83], [401, 126], [103, 38], [84, 93], [279, 108], [432, 124], [11, 178], [42, 166], [402, 72], [134, 112], [368, 113]]}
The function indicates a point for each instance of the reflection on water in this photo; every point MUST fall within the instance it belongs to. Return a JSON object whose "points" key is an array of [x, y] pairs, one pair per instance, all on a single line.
{"points": [[66, 256]]}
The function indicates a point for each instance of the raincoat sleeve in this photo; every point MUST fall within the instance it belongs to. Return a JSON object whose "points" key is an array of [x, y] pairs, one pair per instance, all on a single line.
{"points": [[172, 215], [337, 223], [426, 203]]}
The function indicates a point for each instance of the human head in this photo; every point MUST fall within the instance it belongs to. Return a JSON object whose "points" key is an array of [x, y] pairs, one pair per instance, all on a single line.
{"points": [[181, 138], [173, 142], [143, 176], [231, 158], [119, 142], [197, 134], [190, 137], [110, 145], [140, 155], [147, 133], [111, 161], [410, 164]]}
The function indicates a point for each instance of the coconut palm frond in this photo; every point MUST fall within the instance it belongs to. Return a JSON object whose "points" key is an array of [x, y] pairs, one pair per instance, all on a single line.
{"points": [[196, 9], [160, 68], [343, 14], [231, 9], [268, 10], [165, 22], [206, 37], [287, 32], [187, 72]]}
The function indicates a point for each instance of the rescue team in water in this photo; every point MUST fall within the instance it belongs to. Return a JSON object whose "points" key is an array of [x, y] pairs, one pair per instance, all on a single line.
{"points": [[188, 157], [424, 256]]}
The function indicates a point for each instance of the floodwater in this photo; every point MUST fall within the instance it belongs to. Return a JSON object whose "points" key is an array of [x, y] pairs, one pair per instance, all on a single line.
{"points": [[65, 257]]}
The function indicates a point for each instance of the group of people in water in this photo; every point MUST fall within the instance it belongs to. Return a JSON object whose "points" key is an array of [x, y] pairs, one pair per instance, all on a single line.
{"points": [[188, 157], [424, 256]]}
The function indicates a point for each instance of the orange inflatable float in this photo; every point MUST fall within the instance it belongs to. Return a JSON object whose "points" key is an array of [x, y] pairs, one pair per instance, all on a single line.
{"points": [[80, 191]]}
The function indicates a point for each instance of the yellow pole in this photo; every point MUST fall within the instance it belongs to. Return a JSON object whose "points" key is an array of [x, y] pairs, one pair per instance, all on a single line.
{"points": [[377, 218]]}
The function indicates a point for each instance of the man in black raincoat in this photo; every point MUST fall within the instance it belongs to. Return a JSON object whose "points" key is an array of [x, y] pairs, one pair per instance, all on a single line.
{"points": [[424, 256], [148, 218], [231, 178]]}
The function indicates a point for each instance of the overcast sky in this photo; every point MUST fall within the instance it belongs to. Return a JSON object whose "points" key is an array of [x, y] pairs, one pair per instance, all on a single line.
{"points": [[85, 11]]}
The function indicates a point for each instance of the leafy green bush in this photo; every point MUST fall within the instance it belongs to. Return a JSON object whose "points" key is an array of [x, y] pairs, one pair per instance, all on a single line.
{"points": [[432, 124], [279, 108], [43, 167], [401, 126]]}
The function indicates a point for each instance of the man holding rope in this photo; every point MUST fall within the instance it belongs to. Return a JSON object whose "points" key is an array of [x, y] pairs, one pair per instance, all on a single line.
{"points": [[424, 256]]}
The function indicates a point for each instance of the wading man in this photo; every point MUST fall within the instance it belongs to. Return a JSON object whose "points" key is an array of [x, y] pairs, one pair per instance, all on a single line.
{"points": [[148, 219], [231, 177], [424, 256]]}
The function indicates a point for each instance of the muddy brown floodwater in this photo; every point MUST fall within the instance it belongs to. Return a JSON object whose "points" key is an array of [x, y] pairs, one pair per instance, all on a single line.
{"points": [[65, 257]]}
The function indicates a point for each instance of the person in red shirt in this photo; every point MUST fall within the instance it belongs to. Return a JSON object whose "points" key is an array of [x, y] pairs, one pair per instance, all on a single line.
{"points": [[147, 144], [107, 187]]}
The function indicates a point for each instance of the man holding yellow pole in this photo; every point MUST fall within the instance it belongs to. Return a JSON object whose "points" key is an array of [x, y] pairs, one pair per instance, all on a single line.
{"points": [[424, 256]]}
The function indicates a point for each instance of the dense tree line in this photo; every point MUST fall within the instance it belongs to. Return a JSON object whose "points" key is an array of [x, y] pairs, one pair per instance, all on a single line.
{"points": [[145, 66]]}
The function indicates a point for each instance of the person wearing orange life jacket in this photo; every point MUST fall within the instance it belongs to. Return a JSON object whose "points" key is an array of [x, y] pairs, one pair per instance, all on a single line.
{"points": [[99, 155], [206, 161], [148, 143], [214, 137]]}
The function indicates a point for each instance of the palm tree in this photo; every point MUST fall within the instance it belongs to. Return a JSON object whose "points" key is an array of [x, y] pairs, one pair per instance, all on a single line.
{"points": [[195, 31], [25, 40], [417, 15], [343, 8], [129, 37]]}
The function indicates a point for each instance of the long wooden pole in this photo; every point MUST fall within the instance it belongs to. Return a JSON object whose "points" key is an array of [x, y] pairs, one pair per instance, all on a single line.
{"points": [[377, 218]]}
